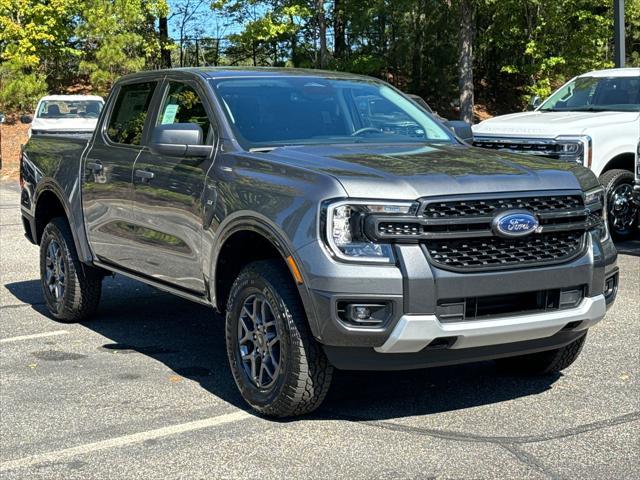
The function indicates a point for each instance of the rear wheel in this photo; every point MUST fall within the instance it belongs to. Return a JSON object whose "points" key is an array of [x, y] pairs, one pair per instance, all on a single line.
{"points": [[71, 289], [543, 363], [278, 366], [621, 210]]}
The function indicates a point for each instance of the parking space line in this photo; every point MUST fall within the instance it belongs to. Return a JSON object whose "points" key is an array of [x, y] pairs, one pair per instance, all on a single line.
{"points": [[35, 335], [124, 440]]}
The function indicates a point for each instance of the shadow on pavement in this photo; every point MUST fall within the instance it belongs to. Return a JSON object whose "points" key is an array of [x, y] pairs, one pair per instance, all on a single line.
{"points": [[189, 339]]}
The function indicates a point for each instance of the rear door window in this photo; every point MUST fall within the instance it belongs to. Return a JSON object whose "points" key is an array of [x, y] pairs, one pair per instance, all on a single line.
{"points": [[130, 112]]}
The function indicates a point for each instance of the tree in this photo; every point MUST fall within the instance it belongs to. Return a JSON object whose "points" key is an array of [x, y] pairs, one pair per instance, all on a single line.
{"points": [[36, 47], [116, 39], [189, 15], [322, 34], [340, 41], [465, 59]]}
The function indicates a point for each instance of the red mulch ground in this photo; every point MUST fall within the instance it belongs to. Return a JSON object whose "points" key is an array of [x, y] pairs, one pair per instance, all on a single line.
{"points": [[13, 135]]}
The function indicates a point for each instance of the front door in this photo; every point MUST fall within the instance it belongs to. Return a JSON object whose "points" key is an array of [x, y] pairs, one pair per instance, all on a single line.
{"points": [[107, 191], [168, 194]]}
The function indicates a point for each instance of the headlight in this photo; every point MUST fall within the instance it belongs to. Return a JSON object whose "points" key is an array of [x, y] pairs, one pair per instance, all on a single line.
{"points": [[575, 149], [344, 229], [595, 202]]}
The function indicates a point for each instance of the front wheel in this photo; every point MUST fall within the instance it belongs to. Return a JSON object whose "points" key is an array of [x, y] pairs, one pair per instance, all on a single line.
{"points": [[278, 367], [543, 363], [71, 289], [621, 210]]}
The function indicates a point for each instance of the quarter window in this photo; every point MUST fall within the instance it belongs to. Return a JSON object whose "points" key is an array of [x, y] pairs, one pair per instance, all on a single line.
{"points": [[183, 105], [129, 113]]}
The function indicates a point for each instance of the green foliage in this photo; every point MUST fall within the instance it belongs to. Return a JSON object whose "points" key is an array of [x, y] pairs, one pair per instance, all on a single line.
{"points": [[49, 45], [36, 39], [20, 91], [521, 47], [117, 38]]}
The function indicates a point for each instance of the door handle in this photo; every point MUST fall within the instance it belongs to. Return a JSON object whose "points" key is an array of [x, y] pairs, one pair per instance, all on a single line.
{"points": [[144, 175], [95, 167]]}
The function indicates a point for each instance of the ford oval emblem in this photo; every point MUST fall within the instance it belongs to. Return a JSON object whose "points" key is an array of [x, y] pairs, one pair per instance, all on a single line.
{"points": [[515, 223]]}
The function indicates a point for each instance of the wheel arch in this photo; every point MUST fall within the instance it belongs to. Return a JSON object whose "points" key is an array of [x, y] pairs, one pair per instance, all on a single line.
{"points": [[622, 161], [245, 239], [49, 201]]}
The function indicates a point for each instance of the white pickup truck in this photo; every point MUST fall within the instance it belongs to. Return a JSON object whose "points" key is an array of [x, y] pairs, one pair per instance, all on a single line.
{"points": [[66, 114], [594, 120]]}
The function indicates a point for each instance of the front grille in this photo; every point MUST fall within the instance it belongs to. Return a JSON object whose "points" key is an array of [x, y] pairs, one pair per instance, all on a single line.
{"points": [[457, 233], [472, 207], [477, 308], [545, 147], [496, 252]]}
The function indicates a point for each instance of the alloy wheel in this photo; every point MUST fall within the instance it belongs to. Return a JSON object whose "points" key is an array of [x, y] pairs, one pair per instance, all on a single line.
{"points": [[55, 274], [621, 208], [259, 341]]}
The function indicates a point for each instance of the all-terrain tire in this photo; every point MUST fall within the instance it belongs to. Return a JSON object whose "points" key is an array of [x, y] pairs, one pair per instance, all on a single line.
{"points": [[543, 363], [82, 284], [612, 180], [305, 374]]}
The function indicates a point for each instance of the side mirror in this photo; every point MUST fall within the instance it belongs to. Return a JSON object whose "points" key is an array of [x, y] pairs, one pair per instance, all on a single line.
{"points": [[179, 140], [461, 129], [26, 118], [534, 103]]}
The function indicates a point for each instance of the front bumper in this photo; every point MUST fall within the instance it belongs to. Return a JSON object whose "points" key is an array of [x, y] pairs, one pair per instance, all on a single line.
{"points": [[413, 289], [415, 332]]}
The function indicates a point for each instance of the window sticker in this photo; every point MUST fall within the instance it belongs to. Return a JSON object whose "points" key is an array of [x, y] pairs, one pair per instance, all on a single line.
{"points": [[170, 112]]}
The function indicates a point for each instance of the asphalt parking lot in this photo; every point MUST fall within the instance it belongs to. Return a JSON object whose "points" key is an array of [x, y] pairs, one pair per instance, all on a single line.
{"points": [[144, 391]]}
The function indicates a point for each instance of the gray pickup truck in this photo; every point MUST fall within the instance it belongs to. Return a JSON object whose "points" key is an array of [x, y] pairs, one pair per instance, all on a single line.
{"points": [[335, 223]]}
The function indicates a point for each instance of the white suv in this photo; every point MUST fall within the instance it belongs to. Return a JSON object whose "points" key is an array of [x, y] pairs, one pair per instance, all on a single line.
{"points": [[594, 119]]}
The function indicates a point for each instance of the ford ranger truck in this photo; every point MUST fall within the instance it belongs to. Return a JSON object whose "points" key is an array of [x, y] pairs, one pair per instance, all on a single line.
{"points": [[332, 231], [593, 120]]}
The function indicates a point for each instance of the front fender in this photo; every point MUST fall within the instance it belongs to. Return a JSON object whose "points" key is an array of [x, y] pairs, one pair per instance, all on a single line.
{"points": [[255, 222]]}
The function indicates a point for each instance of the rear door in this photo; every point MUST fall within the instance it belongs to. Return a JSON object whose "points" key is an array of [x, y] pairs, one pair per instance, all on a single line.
{"points": [[168, 193], [107, 190]]}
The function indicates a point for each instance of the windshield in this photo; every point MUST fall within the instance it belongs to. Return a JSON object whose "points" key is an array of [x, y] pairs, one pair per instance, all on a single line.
{"points": [[280, 111], [595, 94], [69, 109]]}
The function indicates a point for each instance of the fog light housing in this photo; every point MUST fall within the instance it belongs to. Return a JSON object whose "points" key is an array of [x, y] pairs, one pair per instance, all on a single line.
{"points": [[370, 314], [611, 288], [570, 298]]}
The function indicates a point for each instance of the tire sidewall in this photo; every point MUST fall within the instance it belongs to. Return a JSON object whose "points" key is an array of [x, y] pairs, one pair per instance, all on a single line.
{"points": [[51, 233], [620, 177], [250, 283]]}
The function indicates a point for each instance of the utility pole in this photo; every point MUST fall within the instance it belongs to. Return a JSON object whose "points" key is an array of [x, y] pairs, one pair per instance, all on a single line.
{"points": [[618, 33]]}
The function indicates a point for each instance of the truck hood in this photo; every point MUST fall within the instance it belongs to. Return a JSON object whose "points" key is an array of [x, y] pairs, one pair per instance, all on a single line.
{"points": [[551, 124], [64, 124], [407, 172]]}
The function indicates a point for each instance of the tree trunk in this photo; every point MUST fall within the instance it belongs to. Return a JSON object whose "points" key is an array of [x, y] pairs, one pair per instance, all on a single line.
{"points": [[322, 33], [165, 53], [465, 59], [340, 44], [416, 57]]}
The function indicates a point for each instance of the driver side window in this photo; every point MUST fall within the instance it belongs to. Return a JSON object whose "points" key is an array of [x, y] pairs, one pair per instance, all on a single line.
{"points": [[182, 104]]}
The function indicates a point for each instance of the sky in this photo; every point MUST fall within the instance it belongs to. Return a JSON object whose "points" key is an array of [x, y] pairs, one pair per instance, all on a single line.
{"points": [[209, 29]]}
